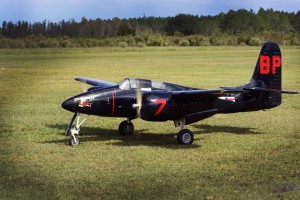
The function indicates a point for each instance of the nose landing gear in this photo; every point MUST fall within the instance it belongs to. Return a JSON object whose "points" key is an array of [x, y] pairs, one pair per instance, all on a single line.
{"points": [[74, 141]]}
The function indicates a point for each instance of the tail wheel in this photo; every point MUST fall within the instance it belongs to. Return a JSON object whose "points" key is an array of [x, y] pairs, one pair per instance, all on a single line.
{"points": [[126, 128], [185, 136]]}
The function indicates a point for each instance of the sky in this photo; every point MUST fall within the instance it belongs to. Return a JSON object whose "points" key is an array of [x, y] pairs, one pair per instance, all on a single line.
{"points": [[57, 10]]}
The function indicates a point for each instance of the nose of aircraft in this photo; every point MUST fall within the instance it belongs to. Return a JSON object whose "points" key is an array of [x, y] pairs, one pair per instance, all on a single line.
{"points": [[69, 105]]}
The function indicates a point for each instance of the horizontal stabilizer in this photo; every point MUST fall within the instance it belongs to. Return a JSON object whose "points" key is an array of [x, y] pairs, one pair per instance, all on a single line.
{"points": [[258, 89], [289, 92], [233, 91], [231, 87]]}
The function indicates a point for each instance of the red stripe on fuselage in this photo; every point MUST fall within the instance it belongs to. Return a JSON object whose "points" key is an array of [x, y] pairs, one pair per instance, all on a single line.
{"points": [[113, 102]]}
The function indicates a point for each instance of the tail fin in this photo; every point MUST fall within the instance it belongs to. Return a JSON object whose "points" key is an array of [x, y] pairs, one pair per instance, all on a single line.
{"points": [[263, 91], [266, 78]]}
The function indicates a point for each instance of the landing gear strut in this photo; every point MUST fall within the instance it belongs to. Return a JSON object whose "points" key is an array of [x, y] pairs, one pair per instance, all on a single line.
{"points": [[126, 127], [185, 136], [74, 141]]}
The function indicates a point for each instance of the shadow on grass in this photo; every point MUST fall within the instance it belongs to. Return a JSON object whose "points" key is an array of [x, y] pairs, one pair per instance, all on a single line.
{"points": [[140, 137], [208, 129], [145, 137]]}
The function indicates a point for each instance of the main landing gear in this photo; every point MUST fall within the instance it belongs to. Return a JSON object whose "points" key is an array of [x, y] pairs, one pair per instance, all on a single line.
{"points": [[185, 136], [126, 127]]}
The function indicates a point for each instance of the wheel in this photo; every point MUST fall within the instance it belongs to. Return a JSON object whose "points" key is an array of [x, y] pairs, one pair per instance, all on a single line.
{"points": [[73, 141], [185, 136], [126, 128]]}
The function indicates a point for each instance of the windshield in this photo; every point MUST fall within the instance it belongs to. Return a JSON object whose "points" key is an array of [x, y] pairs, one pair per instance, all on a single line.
{"points": [[144, 84], [124, 84]]}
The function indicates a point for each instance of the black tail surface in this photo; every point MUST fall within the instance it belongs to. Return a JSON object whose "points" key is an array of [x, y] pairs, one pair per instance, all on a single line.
{"points": [[266, 78], [263, 91]]}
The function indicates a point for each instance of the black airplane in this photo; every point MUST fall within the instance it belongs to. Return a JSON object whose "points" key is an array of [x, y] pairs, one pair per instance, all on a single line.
{"points": [[161, 101]]}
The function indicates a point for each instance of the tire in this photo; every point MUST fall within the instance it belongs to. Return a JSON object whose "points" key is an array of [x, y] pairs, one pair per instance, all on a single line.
{"points": [[126, 128], [185, 136], [74, 141]]}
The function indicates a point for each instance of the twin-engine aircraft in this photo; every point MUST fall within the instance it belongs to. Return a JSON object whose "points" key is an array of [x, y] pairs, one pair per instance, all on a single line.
{"points": [[161, 101]]}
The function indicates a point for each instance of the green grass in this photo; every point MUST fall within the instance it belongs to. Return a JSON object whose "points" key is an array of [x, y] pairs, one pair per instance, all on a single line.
{"points": [[237, 156]]}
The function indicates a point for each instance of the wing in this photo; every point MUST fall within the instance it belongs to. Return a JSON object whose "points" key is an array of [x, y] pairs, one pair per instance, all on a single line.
{"points": [[208, 97], [188, 96], [96, 82]]}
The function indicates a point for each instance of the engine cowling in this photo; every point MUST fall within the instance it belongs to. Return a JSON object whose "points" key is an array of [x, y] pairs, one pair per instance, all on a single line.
{"points": [[155, 106]]}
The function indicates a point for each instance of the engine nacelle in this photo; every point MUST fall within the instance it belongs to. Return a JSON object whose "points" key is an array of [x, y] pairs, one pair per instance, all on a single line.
{"points": [[155, 106]]}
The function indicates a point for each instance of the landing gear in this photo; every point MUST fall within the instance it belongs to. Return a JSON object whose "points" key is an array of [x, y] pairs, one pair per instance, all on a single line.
{"points": [[185, 136], [74, 141], [126, 127]]}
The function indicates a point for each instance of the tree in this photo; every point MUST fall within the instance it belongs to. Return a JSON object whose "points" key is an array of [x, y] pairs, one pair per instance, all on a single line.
{"points": [[297, 22], [240, 21], [10, 30], [4, 31], [186, 24], [125, 29], [209, 25]]}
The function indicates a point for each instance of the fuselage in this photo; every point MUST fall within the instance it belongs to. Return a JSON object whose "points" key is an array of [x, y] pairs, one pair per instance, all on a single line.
{"points": [[157, 102]]}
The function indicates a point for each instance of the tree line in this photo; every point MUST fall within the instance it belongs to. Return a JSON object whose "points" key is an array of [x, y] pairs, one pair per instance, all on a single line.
{"points": [[232, 28]]}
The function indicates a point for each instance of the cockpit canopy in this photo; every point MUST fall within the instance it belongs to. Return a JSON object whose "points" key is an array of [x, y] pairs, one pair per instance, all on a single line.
{"points": [[149, 85], [144, 84]]}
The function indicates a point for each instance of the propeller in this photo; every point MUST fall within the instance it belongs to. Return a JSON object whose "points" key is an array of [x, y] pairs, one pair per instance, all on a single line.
{"points": [[139, 99]]}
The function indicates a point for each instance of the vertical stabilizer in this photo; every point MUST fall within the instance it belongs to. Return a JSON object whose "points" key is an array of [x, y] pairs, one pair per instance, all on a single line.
{"points": [[267, 74]]}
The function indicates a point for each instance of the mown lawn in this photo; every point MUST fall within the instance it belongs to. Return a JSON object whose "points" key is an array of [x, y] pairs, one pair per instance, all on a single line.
{"points": [[237, 156]]}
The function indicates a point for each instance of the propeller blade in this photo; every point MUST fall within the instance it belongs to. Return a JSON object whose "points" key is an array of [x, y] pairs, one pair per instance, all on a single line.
{"points": [[139, 101], [139, 97]]}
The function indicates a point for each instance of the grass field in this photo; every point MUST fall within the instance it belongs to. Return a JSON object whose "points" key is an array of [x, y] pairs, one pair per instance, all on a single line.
{"points": [[239, 156]]}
